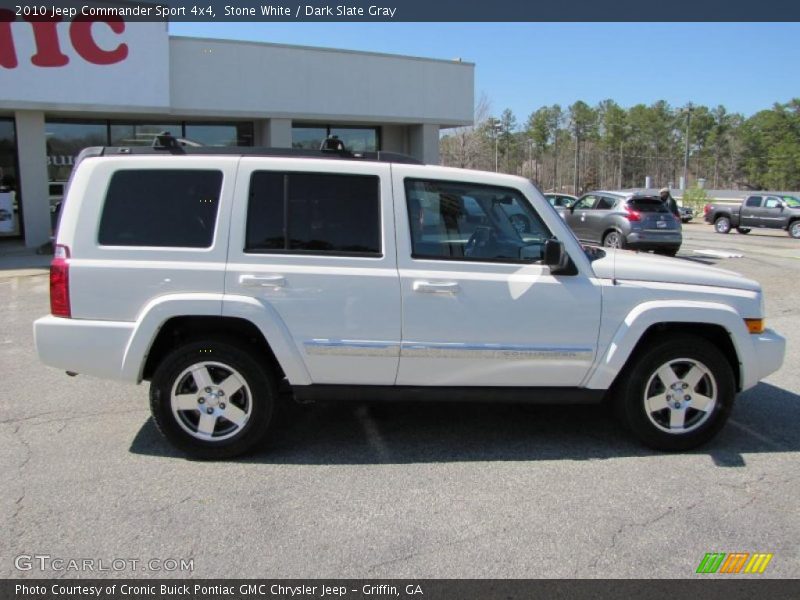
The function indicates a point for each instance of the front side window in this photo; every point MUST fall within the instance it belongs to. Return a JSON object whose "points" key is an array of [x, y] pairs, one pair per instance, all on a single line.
{"points": [[314, 213], [465, 221], [161, 208], [772, 203]]}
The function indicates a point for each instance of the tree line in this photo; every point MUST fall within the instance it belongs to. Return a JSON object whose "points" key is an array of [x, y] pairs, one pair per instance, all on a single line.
{"points": [[583, 147]]}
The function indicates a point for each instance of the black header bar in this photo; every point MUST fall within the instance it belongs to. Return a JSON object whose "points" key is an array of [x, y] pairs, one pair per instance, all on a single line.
{"points": [[212, 11]]}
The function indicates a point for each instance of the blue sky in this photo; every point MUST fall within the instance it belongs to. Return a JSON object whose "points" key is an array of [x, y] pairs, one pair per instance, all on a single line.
{"points": [[744, 66]]}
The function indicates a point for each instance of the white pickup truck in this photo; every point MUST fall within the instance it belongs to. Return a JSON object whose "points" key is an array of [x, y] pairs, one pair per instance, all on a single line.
{"points": [[221, 275]]}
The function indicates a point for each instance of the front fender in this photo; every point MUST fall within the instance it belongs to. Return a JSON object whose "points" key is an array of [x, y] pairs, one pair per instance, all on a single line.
{"points": [[613, 359]]}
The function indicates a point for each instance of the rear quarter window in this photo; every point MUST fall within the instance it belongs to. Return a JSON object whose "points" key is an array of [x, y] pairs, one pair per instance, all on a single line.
{"points": [[161, 208]]}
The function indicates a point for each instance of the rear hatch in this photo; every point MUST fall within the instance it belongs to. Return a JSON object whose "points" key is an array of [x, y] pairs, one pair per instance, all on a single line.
{"points": [[654, 217]]}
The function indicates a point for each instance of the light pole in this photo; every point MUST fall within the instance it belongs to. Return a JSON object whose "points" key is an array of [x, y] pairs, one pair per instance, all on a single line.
{"points": [[497, 127], [688, 110], [530, 158]]}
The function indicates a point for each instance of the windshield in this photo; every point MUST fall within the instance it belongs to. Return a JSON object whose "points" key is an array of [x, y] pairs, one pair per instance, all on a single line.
{"points": [[792, 201]]}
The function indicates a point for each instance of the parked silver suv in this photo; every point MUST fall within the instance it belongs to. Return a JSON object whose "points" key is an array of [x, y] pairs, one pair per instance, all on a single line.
{"points": [[625, 220]]}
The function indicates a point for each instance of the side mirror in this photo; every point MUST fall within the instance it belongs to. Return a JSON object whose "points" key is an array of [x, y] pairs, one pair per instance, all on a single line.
{"points": [[556, 257]]}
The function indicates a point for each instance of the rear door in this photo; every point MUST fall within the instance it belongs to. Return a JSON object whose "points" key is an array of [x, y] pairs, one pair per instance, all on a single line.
{"points": [[599, 219], [312, 242], [750, 215]]}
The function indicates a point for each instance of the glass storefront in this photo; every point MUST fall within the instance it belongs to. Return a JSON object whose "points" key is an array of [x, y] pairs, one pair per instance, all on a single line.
{"points": [[140, 134], [9, 206], [220, 134], [357, 139], [65, 139]]}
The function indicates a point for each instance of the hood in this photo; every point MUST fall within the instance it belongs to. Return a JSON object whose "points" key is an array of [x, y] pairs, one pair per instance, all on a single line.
{"points": [[626, 265]]}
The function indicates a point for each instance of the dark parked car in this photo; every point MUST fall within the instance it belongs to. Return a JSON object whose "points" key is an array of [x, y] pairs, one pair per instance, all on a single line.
{"points": [[625, 220], [687, 214], [761, 210]]}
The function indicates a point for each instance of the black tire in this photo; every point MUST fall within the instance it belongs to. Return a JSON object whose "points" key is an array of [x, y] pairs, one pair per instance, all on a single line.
{"points": [[722, 225], [743, 230], [257, 398], [794, 229], [609, 239], [641, 380], [667, 251]]}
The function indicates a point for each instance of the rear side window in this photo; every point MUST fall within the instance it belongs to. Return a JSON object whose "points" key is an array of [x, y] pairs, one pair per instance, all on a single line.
{"points": [[314, 213], [645, 205], [161, 208], [754, 201]]}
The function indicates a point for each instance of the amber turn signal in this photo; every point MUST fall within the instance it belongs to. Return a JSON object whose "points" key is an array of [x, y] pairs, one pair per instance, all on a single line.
{"points": [[755, 325]]}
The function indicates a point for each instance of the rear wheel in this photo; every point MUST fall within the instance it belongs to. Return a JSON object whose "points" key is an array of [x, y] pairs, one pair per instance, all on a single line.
{"points": [[212, 400], [794, 229], [722, 225], [743, 230], [613, 239], [678, 394]]}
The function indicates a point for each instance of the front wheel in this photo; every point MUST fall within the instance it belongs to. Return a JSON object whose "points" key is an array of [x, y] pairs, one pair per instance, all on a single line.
{"points": [[794, 230], [722, 225], [212, 400], [743, 230], [678, 394]]}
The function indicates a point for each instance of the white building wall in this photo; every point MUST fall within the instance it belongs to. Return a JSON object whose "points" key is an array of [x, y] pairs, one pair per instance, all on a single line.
{"points": [[272, 80], [31, 154]]}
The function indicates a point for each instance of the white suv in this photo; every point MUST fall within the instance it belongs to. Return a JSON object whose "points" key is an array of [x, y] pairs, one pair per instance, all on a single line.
{"points": [[220, 276]]}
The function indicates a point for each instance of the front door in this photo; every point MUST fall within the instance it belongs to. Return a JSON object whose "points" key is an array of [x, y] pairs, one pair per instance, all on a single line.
{"points": [[479, 307], [579, 218]]}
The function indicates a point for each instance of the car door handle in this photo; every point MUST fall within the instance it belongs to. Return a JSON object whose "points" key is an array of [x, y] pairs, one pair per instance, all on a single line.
{"points": [[435, 287], [270, 281]]}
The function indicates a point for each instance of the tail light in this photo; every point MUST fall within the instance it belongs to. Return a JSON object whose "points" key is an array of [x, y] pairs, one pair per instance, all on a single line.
{"points": [[59, 283], [706, 208], [632, 215]]}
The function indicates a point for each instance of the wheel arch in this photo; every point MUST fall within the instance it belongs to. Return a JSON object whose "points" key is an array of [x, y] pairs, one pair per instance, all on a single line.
{"points": [[717, 323], [173, 319]]}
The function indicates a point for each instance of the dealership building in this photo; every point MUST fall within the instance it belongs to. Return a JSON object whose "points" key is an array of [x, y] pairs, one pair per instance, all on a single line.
{"points": [[65, 86]]}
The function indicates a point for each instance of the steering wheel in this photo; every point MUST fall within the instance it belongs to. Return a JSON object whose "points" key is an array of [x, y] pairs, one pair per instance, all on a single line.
{"points": [[481, 239]]}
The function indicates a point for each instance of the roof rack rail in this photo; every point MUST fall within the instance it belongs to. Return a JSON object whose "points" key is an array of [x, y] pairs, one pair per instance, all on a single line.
{"points": [[165, 142]]}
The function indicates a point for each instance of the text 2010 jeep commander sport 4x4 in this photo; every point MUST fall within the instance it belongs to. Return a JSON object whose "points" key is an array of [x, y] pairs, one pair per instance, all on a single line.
{"points": [[220, 276]]}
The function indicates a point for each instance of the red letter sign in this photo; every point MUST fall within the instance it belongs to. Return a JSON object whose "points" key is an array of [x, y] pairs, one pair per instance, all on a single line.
{"points": [[80, 32], [8, 55], [48, 52]]}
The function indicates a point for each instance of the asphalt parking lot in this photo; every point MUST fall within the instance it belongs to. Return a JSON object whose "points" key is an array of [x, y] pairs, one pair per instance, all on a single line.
{"points": [[402, 490]]}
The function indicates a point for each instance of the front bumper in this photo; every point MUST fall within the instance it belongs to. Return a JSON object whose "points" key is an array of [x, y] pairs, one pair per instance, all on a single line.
{"points": [[769, 349]]}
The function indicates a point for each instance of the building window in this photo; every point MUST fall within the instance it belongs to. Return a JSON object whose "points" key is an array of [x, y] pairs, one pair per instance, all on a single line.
{"points": [[161, 208], [140, 134], [65, 139], [357, 139], [9, 206], [220, 134], [314, 213]]}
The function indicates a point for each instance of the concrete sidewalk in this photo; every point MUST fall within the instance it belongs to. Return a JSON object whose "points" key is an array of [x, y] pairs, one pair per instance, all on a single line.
{"points": [[18, 261]]}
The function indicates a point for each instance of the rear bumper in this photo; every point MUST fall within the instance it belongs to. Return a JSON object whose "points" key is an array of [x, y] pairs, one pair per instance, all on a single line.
{"points": [[769, 349], [89, 347], [649, 241]]}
